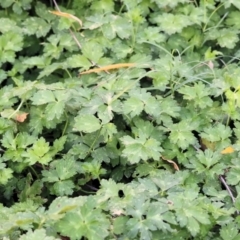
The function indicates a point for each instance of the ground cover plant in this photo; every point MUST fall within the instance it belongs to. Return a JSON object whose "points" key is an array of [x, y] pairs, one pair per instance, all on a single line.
{"points": [[119, 119]]}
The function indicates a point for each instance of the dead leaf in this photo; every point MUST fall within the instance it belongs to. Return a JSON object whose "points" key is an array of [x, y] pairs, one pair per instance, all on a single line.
{"points": [[21, 117], [117, 212], [109, 67], [66, 15], [228, 150], [175, 166], [205, 144], [210, 65]]}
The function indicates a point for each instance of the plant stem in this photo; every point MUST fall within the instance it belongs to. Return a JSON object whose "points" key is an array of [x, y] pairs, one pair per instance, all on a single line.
{"points": [[20, 105], [228, 189]]}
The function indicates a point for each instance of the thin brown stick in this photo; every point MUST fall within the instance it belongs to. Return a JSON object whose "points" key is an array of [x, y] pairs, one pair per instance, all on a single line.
{"points": [[72, 33], [75, 38], [175, 166], [228, 189], [109, 67]]}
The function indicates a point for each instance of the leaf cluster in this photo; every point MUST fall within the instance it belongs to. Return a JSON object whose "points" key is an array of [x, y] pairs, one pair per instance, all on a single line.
{"points": [[128, 153]]}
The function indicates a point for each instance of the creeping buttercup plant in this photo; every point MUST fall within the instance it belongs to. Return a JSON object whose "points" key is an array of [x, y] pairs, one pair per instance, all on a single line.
{"points": [[119, 119]]}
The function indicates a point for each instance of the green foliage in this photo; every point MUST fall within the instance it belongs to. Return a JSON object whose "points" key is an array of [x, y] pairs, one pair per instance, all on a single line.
{"points": [[73, 224], [130, 153]]}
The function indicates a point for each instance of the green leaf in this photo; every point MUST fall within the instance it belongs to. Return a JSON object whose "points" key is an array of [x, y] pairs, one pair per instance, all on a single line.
{"points": [[137, 226], [119, 224], [43, 97], [3, 75], [80, 150], [208, 157], [52, 50], [161, 221], [219, 132], [233, 97], [108, 130], [10, 42], [233, 19], [55, 110], [61, 205], [58, 145], [8, 140], [51, 68], [193, 227], [77, 61], [5, 174], [90, 54], [233, 175], [169, 106], [181, 134], [140, 149], [169, 3], [154, 219], [86, 221], [35, 25], [152, 106], [93, 168], [92, 106], [37, 121], [105, 113], [109, 189], [5, 125], [6, 3], [31, 190], [152, 34], [23, 140], [210, 55], [229, 232], [198, 93], [40, 147], [133, 106], [165, 181], [67, 42], [95, 21], [86, 123], [228, 38], [101, 155], [42, 11], [38, 152], [64, 23], [171, 23], [144, 129], [35, 61], [7, 25], [125, 49], [38, 234], [144, 170], [63, 188], [103, 6], [60, 170], [117, 26], [234, 2]]}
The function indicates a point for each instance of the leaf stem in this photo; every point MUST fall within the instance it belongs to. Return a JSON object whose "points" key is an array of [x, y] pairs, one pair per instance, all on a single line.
{"points": [[129, 86], [75, 38], [69, 74], [71, 32], [228, 189], [34, 171], [93, 143], [205, 26], [86, 191], [20, 105], [66, 124]]}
